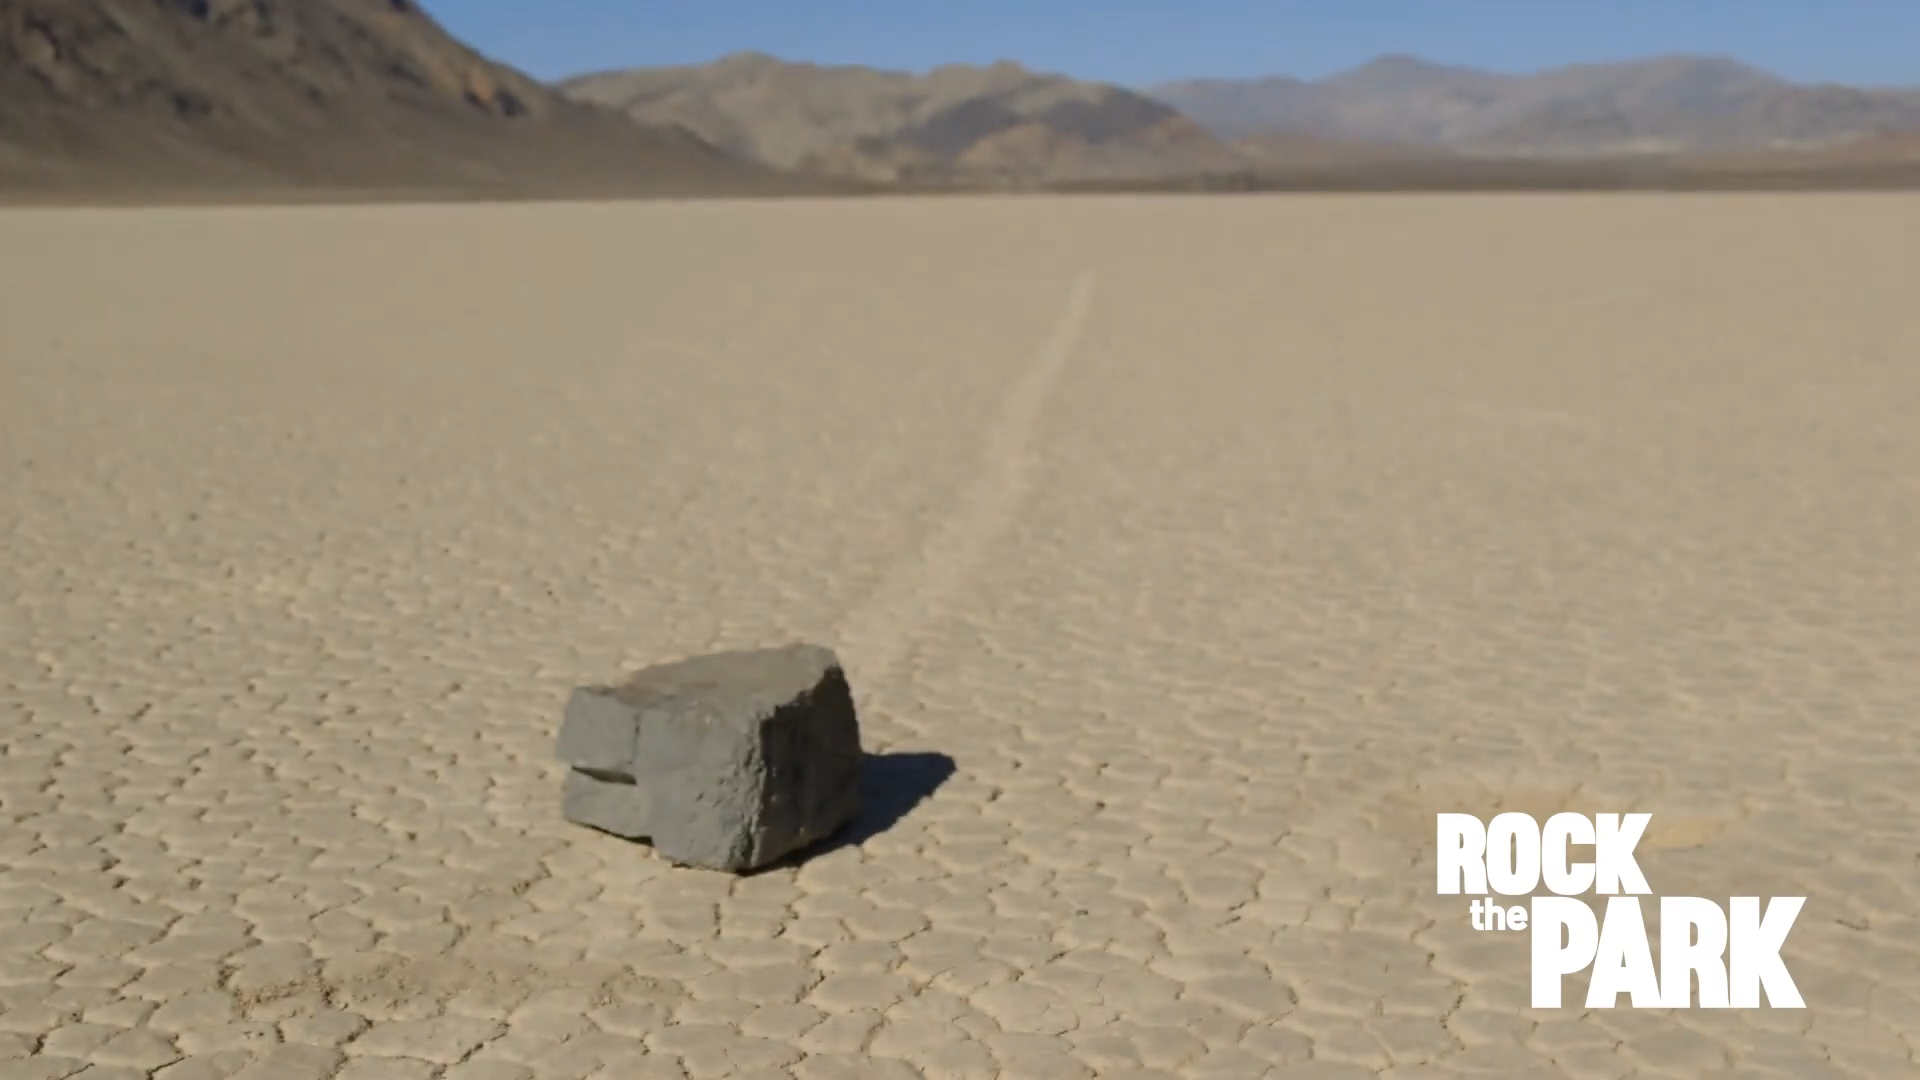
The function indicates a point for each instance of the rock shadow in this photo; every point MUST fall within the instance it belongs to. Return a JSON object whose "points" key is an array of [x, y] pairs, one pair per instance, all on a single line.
{"points": [[891, 785]]}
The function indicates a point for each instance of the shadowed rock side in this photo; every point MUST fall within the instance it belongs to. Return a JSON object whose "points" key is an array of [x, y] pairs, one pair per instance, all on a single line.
{"points": [[1663, 105], [251, 95], [1001, 124]]}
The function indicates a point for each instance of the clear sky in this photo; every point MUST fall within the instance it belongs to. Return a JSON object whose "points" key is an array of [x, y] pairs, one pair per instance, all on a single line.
{"points": [[1141, 41]]}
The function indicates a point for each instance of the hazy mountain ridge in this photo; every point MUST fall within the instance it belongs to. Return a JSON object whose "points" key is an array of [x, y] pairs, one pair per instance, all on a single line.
{"points": [[995, 123], [1668, 104]]}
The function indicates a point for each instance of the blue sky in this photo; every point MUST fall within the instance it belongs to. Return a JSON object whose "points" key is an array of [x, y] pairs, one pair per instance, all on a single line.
{"points": [[1134, 42]]}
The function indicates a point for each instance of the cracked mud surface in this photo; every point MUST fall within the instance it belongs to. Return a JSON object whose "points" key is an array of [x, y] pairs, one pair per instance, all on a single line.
{"points": [[1219, 542]]}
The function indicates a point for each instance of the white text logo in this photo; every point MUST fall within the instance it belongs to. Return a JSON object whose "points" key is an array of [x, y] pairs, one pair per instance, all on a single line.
{"points": [[1732, 952]]}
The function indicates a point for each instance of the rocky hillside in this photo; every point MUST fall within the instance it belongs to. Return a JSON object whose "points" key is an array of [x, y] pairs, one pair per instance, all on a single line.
{"points": [[337, 94], [998, 124]]}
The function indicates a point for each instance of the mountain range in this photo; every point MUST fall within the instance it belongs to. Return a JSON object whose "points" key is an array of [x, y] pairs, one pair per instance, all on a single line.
{"points": [[1663, 105], [1005, 123], [335, 97], [999, 123]]}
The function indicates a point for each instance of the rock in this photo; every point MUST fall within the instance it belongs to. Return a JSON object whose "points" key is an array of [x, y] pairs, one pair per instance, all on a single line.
{"points": [[729, 761], [612, 804]]}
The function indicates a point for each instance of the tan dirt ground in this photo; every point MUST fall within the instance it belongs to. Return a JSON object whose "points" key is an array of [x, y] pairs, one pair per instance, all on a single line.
{"points": [[1220, 543]]}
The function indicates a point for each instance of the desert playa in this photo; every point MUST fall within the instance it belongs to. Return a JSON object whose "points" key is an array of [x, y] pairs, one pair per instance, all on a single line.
{"points": [[1187, 556]]}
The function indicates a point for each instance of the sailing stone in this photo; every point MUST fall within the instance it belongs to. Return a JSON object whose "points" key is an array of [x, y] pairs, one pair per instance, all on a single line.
{"points": [[729, 761]]}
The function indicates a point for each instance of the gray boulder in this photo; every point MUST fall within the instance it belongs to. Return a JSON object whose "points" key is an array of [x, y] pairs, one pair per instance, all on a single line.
{"points": [[729, 761]]}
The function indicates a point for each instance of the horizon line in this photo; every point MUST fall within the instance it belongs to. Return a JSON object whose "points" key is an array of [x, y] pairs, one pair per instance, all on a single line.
{"points": [[1270, 76]]}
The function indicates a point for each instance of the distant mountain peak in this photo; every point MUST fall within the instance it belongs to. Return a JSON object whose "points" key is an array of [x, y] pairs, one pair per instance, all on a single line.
{"points": [[1407, 64], [750, 60], [1000, 122], [1675, 103], [1715, 63], [1404, 70]]}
